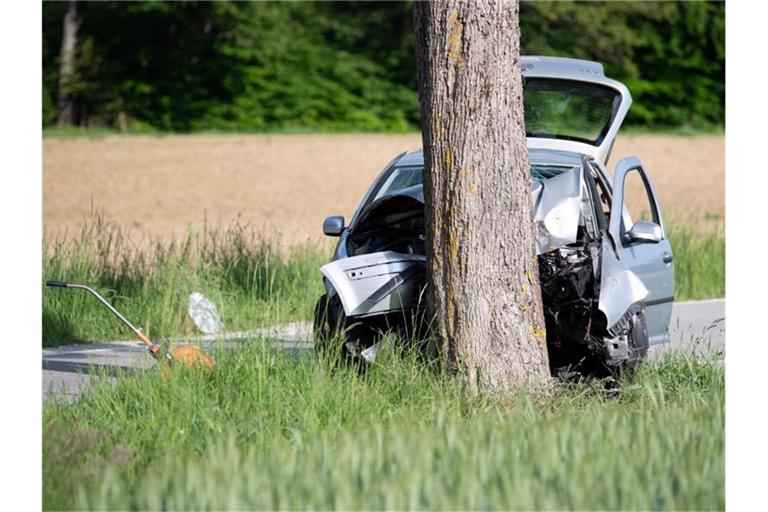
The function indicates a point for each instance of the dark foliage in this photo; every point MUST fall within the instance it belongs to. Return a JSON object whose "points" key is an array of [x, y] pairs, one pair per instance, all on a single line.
{"points": [[258, 66]]}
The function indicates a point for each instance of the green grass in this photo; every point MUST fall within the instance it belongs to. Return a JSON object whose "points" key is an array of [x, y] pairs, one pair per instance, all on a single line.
{"points": [[252, 281], [681, 131], [266, 431], [699, 251]]}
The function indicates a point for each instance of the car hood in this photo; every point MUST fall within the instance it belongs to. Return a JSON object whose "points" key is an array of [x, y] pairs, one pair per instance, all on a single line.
{"points": [[556, 205]]}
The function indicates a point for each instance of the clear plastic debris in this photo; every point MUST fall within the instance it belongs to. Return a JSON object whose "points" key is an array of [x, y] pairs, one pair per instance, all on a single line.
{"points": [[203, 312]]}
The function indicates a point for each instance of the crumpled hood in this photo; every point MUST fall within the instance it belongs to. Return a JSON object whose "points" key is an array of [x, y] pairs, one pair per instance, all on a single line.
{"points": [[391, 209], [556, 208]]}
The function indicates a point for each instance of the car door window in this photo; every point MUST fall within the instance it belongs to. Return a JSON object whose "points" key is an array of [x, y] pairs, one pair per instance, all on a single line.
{"points": [[637, 201]]}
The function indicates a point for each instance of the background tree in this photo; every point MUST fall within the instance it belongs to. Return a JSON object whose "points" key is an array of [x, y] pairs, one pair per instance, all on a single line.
{"points": [[260, 66], [66, 104], [483, 286]]}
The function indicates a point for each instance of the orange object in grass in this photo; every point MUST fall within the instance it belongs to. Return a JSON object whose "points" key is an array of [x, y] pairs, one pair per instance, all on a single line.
{"points": [[192, 356]]}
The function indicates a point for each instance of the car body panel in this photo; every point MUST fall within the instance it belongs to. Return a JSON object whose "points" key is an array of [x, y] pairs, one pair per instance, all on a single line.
{"points": [[620, 286], [375, 283], [557, 205]]}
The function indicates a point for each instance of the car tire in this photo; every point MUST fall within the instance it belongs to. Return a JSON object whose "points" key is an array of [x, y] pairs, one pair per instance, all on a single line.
{"points": [[327, 320], [335, 336]]}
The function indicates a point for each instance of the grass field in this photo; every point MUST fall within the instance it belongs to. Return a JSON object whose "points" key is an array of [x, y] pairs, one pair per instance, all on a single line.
{"points": [[265, 431], [252, 281]]}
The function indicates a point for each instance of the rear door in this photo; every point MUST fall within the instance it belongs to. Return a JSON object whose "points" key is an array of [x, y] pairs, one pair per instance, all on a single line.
{"points": [[634, 200]]}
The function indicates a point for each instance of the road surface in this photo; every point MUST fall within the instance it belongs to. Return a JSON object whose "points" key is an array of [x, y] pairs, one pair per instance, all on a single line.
{"points": [[697, 327]]}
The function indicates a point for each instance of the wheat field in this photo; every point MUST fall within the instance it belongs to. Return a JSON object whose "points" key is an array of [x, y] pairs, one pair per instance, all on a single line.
{"points": [[287, 184]]}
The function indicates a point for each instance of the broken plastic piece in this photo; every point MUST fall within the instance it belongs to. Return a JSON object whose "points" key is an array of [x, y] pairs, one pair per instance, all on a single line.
{"points": [[369, 354], [203, 312]]}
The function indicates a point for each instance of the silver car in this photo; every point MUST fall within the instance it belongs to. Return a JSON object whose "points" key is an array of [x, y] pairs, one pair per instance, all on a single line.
{"points": [[607, 279]]}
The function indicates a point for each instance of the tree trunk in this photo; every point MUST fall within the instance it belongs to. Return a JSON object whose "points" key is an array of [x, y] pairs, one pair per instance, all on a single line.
{"points": [[484, 295], [66, 103]]}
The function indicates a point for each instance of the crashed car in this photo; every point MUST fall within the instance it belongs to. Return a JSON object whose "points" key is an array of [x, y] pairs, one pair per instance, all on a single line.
{"points": [[607, 280]]}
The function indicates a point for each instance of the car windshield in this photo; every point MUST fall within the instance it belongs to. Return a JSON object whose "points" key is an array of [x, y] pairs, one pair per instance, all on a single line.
{"points": [[400, 179], [406, 179], [567, 109]]}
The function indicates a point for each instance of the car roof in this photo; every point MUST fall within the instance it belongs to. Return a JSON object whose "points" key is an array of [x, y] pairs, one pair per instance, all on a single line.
{"points": [[536, 156], [563, 67]]}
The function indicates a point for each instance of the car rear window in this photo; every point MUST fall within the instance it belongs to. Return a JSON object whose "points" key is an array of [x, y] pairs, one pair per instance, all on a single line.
{"points": [[567, 109]]}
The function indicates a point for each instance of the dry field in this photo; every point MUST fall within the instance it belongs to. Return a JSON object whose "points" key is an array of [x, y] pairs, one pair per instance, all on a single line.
{"points": [[287, 184]]}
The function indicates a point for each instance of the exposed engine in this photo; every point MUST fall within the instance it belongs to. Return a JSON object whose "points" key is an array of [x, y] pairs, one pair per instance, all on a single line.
{"points": [[570, 287]]}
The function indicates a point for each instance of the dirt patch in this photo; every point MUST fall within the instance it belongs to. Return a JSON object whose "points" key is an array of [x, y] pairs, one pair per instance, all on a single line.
{"points": [[287, 184]]}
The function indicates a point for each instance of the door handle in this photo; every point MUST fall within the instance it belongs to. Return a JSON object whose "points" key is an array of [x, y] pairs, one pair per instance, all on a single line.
{"points": [[667, 258]]}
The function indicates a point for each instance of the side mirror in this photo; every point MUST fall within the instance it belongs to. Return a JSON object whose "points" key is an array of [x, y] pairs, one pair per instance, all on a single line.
{"points": [[644, 232], [333, 226]]}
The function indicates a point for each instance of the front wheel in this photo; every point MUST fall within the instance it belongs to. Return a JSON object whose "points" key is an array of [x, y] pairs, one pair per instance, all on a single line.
{"points": [[336, 336], [326, 323]]}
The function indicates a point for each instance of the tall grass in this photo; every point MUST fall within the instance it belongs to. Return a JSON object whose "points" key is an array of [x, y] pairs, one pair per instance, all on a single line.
{"points": [[699, 251], [248, 276], [265, 431], [252, 281]]}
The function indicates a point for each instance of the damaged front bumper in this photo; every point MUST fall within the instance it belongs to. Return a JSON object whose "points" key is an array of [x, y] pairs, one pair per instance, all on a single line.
{"points": [[376, 283]]}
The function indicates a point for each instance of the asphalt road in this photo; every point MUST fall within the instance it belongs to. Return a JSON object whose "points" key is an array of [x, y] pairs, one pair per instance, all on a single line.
{"points": [[697, 327]]}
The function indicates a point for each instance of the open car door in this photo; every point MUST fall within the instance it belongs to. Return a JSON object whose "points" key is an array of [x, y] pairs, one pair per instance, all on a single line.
{"points": [[641, 246]]}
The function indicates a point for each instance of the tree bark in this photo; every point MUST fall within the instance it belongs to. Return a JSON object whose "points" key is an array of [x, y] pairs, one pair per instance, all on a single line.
{"points": [[484, 296], [66, 103]]}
